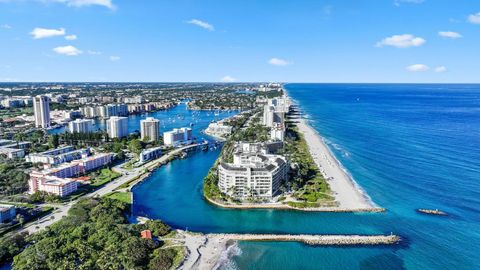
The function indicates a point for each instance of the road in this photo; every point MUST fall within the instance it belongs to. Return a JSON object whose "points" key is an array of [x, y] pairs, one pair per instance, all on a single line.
{"points": [[127, 175]]}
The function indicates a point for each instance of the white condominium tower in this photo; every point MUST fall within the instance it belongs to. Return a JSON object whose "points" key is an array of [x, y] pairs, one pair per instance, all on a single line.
{"points": [[253, 173], [150, 128], [117, 127], [177, 136], [41, 109], [81, 126]]}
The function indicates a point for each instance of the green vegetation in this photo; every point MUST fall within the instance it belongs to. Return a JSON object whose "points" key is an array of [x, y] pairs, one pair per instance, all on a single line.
{"points": [[11, 246], [125, 197], [105, 175], [13, 177], [210, 184], [306, 181], [94, 235], [83, 139]]}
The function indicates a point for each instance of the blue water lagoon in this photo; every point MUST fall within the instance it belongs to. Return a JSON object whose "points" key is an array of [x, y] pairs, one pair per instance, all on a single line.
{"points": [[407, 146]]}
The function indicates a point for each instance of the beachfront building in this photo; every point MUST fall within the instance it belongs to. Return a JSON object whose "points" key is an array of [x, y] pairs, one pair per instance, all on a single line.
{"points": [[150, 154], [178, 136], [7, 212], [150, 128], [41, 110], [60, 180], [58, 156], [219, 129], [117, 127], [277, 132], [253, 174], [81, 126]]}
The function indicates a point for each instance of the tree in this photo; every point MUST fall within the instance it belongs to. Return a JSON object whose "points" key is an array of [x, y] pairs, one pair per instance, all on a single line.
{"points": [[135, 146], [53, 141], [20, 219]]}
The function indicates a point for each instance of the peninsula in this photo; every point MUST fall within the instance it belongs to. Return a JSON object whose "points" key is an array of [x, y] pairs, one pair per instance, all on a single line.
{"points": [[274, 159]]}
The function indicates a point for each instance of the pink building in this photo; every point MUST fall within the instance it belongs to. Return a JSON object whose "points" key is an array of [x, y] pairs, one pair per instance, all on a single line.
{"points": [[58, 180]]}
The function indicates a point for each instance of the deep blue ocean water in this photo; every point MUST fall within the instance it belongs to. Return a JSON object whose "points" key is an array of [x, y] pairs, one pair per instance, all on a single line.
{"points": [[407, 146]]}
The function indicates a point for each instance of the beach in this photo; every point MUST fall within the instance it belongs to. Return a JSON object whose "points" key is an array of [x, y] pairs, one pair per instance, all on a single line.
{"points": [[346, 192]]}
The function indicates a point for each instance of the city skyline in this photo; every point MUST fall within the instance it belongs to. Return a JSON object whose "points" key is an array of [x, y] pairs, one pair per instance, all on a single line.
{"points": [[211, 41]]}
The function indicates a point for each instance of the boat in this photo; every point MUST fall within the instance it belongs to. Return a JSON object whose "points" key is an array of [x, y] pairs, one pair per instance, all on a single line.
{"points": [[432, 212]]}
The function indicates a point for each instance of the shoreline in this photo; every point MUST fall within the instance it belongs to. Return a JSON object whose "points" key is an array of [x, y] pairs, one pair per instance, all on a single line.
{"points": [[346, 191]]}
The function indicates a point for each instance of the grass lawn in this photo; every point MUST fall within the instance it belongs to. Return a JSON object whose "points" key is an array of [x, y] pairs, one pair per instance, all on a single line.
{"points": [[121, 196], [106, 175]]}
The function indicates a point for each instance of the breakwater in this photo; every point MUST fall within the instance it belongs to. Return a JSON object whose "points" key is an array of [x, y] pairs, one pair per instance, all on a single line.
{"points": [[320, 240]]}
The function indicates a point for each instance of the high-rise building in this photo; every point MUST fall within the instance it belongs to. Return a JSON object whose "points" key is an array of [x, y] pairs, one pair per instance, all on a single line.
{"points": [[177, 136], [81, 126], [150, 128], [253, 173], [117, 127], [41, 109]]}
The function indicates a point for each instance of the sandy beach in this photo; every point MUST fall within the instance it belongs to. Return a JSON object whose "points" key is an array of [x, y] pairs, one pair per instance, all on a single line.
{"points": [[203, 251], [347, 193]]}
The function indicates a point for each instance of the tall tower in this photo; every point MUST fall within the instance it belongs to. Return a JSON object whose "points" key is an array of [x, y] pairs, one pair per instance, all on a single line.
{"points": [[150, 127], [41, 109], [117, 127]]}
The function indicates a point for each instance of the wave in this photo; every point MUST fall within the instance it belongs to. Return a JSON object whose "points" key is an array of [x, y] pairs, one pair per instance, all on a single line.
{"points": [[225, 261]]}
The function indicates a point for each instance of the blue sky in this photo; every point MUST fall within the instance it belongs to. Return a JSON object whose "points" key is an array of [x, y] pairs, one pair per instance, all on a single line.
{"points": [[240, 40]]}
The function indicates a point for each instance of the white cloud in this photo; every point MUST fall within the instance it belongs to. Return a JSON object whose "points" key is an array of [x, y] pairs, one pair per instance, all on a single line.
{"points": [[229, 78], [474, 18], [73, 3], [278, 62], [441, 69], [449, 34], [39, 33], [399, 2], [114, 58], [82, 3], [202, 24], [71, 37], [67, 50], [418, 68], [402, 41], [6, 26], [94, 52]]}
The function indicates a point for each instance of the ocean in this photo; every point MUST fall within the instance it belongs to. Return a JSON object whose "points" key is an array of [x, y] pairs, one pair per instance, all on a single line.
{"points": [[408, 146]]}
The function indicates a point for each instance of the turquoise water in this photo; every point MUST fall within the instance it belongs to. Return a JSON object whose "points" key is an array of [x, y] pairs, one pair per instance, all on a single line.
{"points": [[408, 146]]}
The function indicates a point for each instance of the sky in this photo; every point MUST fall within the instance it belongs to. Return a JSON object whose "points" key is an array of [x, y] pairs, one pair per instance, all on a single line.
{"points": [[376, 41]]}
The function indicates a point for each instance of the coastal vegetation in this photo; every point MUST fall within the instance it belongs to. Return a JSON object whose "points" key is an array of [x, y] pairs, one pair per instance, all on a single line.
{"points": [[309, 187], [94, 235]]}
